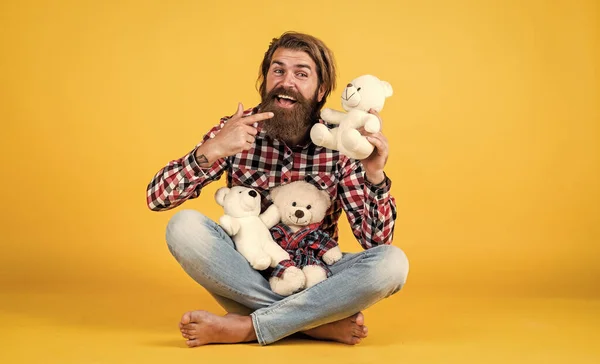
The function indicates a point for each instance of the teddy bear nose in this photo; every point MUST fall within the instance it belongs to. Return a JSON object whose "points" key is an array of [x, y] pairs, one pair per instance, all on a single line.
{"points": [[252, 193], [299, 214], [349, 85]]}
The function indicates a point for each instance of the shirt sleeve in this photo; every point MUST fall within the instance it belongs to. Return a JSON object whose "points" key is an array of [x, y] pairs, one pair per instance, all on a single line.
{"points": [[183, 179], [371, 209]]}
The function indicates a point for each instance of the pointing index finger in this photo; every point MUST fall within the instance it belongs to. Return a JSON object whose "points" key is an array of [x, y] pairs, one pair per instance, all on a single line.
{"points": [[257, 117]]}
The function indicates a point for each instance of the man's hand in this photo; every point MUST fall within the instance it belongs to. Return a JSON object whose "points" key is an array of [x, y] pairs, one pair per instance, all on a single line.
{"points": [[375, 163], [236, 135]]}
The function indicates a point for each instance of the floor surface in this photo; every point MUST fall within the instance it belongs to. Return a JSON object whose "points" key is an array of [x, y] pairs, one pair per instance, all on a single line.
{"points": [[133, 327]]}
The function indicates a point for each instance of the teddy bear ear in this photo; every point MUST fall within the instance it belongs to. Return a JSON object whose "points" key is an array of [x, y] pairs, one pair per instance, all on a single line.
{"points": [[274, 192], [220, 195], [387, 88]]}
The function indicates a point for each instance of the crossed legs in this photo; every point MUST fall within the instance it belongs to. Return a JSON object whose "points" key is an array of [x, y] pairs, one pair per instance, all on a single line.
{"points": [[328, 310]]}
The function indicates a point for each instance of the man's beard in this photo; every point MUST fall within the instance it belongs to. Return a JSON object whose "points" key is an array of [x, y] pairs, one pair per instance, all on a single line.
{"points": [[292, 125]]}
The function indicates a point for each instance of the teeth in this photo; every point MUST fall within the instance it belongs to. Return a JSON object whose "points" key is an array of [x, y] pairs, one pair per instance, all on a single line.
{"points": [[286, 97]]}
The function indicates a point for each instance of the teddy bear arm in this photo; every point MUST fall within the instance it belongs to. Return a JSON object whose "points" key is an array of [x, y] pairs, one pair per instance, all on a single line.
{"points": [[332, 116], [271, 216], [323, 136], [229, 224], [371, 123], [332, 255]]}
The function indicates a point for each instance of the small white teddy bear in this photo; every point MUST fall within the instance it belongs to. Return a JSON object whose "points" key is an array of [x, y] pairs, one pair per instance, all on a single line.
{"points": [[249, 230], [303, 207], [363, 93]]}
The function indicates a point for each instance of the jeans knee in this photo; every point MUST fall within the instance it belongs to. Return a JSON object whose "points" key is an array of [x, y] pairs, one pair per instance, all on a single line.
{"points": [[184, 228], [392, 268]]}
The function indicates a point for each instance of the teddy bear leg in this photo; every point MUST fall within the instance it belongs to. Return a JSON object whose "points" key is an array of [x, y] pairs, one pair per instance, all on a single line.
{"points": [[314, 274], [276, 252], [323, 136], [354, 142], [291, 281], [257, 257]]}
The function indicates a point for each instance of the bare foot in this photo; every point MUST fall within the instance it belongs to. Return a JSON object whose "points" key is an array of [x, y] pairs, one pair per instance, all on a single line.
{"points": [[350, 330], [202, 327]]}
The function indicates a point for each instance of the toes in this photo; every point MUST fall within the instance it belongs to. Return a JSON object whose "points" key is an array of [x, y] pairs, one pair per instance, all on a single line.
{"points": [[193, 343], [190, 327], [365, 331], [355, 340], [359, 319], [186, 318]]}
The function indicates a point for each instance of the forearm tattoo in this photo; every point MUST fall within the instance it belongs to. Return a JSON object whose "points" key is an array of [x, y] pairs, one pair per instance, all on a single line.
{"points": [[202, 160]]}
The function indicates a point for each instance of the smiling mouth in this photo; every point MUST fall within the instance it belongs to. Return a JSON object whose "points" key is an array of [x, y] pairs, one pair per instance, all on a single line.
{"points": [[285, 101], [298, 221]]}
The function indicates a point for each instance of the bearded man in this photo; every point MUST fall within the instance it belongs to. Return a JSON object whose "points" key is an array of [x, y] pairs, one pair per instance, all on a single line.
{"points": [[262, 148]]}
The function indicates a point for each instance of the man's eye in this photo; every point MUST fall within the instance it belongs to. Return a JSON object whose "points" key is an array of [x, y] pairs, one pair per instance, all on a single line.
{"points": [[278, 71], [302, 75]]}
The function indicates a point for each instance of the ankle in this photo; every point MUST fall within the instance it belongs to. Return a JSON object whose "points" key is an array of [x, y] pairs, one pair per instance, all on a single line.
{"points": [[247, 328]]}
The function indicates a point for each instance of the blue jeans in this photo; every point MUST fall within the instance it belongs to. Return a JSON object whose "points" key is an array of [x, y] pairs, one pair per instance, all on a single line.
{"points": [[208, 255]]}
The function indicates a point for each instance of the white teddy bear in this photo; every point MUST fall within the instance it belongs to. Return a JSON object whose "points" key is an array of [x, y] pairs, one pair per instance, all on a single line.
{"points": [[363, 93], [249, 230], [302, 207]]}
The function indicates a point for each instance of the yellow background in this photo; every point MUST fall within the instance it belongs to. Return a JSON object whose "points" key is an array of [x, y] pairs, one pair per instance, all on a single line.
{"points": [[494, 131]]}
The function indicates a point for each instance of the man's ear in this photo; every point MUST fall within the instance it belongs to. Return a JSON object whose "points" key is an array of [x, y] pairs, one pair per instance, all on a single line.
{"points": [[321, 93], [220, 195]]}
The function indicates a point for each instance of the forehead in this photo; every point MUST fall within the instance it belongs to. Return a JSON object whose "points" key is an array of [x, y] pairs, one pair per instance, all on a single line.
{"points": [[292, 58]]}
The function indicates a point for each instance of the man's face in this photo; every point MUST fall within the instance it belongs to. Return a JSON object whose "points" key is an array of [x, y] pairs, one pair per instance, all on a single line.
{"points": [[292, 95]]}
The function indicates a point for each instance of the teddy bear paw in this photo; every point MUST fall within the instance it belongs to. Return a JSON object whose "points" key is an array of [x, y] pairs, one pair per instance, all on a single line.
{"points": [[261, 263], [318, 134], [332, 255], [326, 114], [292, 280], [373, 125]]}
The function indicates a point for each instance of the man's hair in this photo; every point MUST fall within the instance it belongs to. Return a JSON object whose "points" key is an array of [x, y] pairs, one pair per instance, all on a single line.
{"points": [[315, 48]]}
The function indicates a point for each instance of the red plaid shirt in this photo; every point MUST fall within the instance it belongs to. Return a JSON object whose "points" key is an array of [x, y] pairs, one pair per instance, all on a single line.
{"points": [[370, 209]]}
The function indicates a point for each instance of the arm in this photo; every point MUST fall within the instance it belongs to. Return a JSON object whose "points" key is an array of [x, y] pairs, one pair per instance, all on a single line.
{"points": [[184, 178], [370, 209]]}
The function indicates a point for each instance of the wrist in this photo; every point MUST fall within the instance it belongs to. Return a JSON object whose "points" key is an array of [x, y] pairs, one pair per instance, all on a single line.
{"points": [[376, 178], [206, 154]]}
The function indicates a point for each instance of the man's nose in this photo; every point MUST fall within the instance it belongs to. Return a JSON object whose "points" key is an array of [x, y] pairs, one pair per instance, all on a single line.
{"points": [[289, 80]]}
